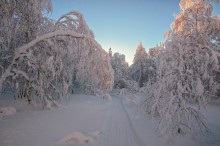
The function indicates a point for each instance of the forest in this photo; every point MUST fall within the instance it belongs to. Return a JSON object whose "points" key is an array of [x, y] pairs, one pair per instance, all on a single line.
{"points": [[45, 63]]}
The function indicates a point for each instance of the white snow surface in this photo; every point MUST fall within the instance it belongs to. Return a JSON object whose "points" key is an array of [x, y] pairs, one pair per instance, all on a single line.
{"points": [[93, 121], [7, 111]]}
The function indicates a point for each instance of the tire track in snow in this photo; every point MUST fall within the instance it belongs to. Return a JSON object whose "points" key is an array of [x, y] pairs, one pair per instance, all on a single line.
{"points": [[118, 129]]}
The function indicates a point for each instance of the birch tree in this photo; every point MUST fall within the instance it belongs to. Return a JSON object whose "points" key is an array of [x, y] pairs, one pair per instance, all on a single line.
{"points": [[120, 67], [48, 61], [185, 72]]}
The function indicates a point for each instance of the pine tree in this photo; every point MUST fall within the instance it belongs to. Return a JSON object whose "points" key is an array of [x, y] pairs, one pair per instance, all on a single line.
{"points": [[110, 52], [143, 69], [137, 68]]}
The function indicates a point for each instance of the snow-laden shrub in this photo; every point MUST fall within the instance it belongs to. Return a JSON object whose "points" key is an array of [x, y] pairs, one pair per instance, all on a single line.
{"points": [[131, 85]]}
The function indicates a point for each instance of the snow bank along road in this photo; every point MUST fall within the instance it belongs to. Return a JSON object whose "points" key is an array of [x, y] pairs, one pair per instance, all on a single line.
{"points": [[86, 120]]}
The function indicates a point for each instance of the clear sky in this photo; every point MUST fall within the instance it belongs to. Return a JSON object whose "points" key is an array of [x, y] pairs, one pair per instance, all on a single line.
{"points": [[120, 24]]}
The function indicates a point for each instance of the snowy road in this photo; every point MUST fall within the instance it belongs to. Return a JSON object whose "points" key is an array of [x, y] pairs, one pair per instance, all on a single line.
{"points": [[91, 121], [118, 130], [70, 125]]}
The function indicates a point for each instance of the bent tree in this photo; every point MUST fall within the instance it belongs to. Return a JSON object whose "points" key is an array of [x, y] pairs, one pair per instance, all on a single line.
{"points": [[50, 63]]}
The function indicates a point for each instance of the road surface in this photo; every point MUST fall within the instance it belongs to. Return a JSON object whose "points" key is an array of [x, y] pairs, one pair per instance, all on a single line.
{"points": [[118, 129]]}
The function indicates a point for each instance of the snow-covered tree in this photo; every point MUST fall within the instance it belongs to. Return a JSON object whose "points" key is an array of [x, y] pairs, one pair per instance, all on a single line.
{"points": [[193, 17], [21, 22], [93, 69], [185, 72], [199, 20], [110, 52], [49, 62], [137, 68], [214, 31], [143, 68], [131, 86], [154, 52], [120, 67]]}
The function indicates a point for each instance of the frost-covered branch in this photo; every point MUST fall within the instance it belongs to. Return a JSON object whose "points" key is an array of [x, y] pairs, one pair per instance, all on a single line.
{"points": [[186, 69], [50, 65]]}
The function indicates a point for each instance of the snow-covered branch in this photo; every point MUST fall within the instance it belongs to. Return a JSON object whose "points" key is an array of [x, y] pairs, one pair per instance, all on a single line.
{"points": [[186, 69], [57, 60]]}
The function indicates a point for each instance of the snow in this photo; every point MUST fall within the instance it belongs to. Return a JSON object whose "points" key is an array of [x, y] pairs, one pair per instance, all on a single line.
{"points": [[75, 137], [47, 63], [146, 126], [7, 111], [94, 121], [107, 97], [87, 61], [79, 138]]}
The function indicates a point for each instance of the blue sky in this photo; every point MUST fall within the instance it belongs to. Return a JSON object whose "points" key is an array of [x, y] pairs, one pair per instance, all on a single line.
{"points": [[120, 24]]}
